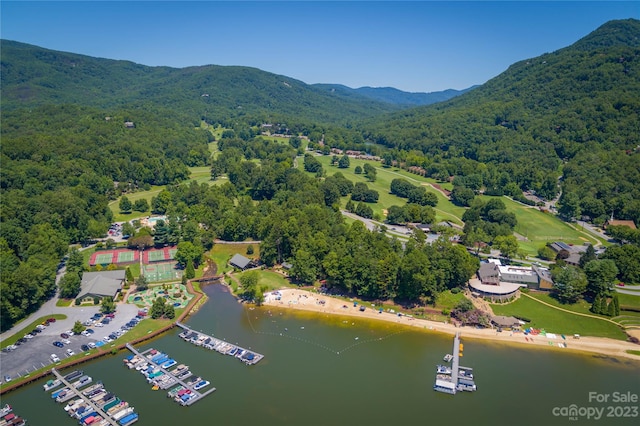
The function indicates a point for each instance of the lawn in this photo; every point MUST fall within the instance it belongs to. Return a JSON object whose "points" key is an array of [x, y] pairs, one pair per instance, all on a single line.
{"points": [[221, 253], [629, 301], [271, 280], [555, 321], [445, 210], [540, 228], [448, 300]]}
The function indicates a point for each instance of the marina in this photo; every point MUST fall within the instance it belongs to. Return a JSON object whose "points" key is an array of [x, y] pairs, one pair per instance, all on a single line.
{"points": [[455, 378], [154, 366], [209, 342], [94, 405], [9, 418]]}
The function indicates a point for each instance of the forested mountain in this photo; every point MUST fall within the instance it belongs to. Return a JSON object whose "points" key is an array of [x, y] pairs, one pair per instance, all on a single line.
{"points": [[572, 113], [33, 75], [395, 96]]}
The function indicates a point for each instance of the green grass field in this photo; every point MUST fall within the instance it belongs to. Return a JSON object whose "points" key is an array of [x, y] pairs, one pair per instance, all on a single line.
{"points": [[448, 300], [221, 253], [555, 321], [271, 280], [445, 210], [540, 228]]}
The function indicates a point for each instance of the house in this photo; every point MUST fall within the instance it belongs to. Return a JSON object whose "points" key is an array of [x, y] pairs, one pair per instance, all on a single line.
{"points": [[502, 282], [614, 222], [502, 321], [100, 284], [240, 262]]}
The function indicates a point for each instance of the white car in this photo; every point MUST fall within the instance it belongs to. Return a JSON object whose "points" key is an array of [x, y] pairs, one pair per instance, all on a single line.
{"points": [[70, 333], [98, 324], [107, 339], [86, 333], [66, 341], [70, 352], [55, 358], [91, 345]]}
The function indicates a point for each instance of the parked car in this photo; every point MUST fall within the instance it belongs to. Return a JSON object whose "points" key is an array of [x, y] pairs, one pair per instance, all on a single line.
{"points": [[64, 335], [70, 352], [111, 316], [91, 345], [58, 344], [66, 341], [55, 358], [84, 348], [7, 378], [50, 320]]}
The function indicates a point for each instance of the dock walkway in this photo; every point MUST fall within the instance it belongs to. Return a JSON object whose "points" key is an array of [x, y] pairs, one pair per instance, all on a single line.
{"points": [[247, 356], [79, 394], [176, 381]]}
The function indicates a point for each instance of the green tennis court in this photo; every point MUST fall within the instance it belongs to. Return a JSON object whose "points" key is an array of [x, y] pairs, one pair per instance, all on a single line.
{"points": [[162, 272], [126, 256], [172, 253], [104, 258], [156, 255]]}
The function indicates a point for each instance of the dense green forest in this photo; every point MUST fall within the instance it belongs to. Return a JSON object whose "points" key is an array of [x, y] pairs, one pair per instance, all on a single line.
{"points": [[78, 132], [571, 114]]}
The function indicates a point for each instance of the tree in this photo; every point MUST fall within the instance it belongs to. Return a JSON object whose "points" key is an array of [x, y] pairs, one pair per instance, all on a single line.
{"points": [[311, 164], [169, 311], [249, 282], [569, 284], [189, 251], [78, 327], [600, 276], [141, 283], [508, 245], [569, 206], [462, 196], [305, 267], [546, 253], [70, 285], [128, 230], [616, 305], [358, 170], [250, 249], [141, 205], [128, 274], [108, 305], [344, 162], [125, 204], [370, 172], [190, 271], [587, 256], [157, 308]]}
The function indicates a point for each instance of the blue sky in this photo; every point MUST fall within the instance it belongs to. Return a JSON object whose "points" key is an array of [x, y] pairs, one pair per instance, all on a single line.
{"points": [[417, 46]]}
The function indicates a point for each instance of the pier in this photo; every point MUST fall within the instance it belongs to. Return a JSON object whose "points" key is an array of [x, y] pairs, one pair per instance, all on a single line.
{"points": [[175, 380], [79, 394], [457, 378], [247, 356]]}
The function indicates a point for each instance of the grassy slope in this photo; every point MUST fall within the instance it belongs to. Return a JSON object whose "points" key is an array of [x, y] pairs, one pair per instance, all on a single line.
{"points": [[555, 321]]}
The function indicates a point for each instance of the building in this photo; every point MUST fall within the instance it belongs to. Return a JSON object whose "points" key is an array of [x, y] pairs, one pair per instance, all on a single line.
{"points": [[502, 282], [100, 284], [614, 222], [502, 321], [240, 262]]}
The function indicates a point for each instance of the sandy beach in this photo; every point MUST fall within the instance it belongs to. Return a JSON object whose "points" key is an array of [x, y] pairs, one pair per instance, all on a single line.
{"points": [[314, 302]]}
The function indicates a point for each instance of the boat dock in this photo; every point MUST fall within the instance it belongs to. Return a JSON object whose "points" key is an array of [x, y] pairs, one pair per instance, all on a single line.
{"points": [[457, 378], [197, 338], [105, 418], [155, 366]]}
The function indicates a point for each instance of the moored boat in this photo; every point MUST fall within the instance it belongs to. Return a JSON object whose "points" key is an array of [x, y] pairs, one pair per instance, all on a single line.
{"points": [[51, 384], [5, 410]]}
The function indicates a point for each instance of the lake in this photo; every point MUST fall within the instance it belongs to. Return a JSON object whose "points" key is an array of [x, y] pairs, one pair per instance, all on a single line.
{"points": [[321, 370]]}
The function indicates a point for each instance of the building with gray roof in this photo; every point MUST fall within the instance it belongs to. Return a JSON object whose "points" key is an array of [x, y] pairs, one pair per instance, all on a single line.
{"points": [[101, 284]]}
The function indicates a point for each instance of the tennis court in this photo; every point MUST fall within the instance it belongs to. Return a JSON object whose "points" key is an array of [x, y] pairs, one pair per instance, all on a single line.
{"points": [[104, 258], [162, 272], [156, 255], [126, 256]]}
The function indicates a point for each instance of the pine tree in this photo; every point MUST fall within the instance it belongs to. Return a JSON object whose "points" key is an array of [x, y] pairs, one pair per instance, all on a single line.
{"points": [[616, 305], [596, 305], [190, 272], [129, 274], [611, 311]]}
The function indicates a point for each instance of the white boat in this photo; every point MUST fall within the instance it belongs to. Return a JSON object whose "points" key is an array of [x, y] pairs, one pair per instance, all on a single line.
{"points": [[442, 369], [5, 410], [448, 358], [51, 384]]}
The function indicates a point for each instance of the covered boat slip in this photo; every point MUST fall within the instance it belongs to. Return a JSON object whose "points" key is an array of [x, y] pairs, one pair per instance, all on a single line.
{"points": [[456, 378], [159, 376], [247, 356], [94, 405]]}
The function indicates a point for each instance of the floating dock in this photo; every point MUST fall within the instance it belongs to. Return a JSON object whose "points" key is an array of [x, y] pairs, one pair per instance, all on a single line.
{"points": [[91, 403], [197, 338], [457, 378], [150, 364]]}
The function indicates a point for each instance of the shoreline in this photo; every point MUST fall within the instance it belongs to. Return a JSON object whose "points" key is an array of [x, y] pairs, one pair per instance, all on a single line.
{"points": [[303, 300]]}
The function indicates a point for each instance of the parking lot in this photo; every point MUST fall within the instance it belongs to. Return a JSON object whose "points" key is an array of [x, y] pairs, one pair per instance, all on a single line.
{"points": [[36, 352]]}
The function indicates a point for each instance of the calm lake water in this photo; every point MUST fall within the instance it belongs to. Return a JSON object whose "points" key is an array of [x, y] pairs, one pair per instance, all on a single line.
{"points": [[321, 370]]}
